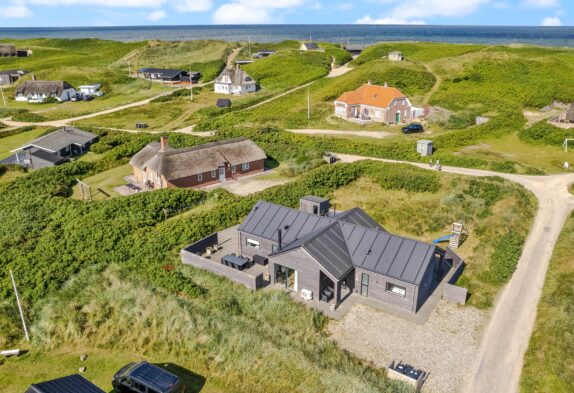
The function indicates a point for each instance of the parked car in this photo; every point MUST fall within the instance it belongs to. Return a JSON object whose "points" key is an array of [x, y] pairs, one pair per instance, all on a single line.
{"points": [[412, 128], [144, 377], [87, 98]]}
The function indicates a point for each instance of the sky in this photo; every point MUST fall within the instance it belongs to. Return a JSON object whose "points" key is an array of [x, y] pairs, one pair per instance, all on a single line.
{"points": [[48, 13]]}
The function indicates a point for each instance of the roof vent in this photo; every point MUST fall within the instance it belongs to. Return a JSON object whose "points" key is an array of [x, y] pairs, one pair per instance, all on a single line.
{"points": [[287, 227], [369, 251]]}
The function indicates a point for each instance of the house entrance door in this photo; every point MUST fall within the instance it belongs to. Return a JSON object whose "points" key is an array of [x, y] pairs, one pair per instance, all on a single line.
{"points": [[222, 173], [397, 117]]}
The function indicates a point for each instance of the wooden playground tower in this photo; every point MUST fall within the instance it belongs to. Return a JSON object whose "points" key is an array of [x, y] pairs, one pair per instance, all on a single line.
{"points": [[458, 236]]}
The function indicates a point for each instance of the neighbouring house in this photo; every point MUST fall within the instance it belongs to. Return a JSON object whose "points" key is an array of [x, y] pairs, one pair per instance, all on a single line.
{"points": [[9, 50], [92, 90], [354, 50], [263, 53], [159, 166], [38, 91], [234, 81], [8, 77], [169, 75], [396, 56], [52, 149], [373, 103], [330, 256], [223, 103], [309, 46], [71, 384]]}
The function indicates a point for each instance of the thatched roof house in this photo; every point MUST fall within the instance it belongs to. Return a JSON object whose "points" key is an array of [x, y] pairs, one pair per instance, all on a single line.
{"points": [[38, 91], [163, 166], [8, 50]]}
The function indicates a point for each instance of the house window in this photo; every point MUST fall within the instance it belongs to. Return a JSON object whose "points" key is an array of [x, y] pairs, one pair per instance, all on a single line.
{"points": [[233, 169], [364, 284], [274, 248], [200, 177], [396, 290], [213, 173], [245, 166], [253, 243]]}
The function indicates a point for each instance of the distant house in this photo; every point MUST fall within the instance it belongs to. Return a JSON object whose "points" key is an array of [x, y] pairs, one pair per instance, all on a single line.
{"points": [[9, 50], [234, 81], [160, 166], [309, 46], [244, 62], [263, 53], [223, 103], [396, 56], [70, 384], [330, 257], [168, 75], [354, 50], [38, 91], [8, 77], [372, 103], [92, 90], [52, 149]]}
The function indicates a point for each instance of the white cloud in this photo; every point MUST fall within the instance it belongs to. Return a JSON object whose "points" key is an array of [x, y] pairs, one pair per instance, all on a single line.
{"points": [[551, 21], [416, 11], [14, 11], [156, 15], [253, 11], [193, 5], [368, 20], [542, 3]]}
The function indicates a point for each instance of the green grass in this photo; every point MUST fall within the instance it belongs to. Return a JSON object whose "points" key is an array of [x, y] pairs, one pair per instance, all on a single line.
{"points": [[429, 215], [14, 141], [106, 180], [550, 355]]}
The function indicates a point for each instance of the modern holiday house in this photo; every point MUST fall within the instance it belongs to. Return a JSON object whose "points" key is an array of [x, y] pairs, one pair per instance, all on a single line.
{"points": [[234, 81]]}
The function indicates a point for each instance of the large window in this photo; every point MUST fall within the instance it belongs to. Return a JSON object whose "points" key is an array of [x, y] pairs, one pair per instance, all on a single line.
{"points": [[233, 169], [252, 243], [396, 290], [213, 173], [245, 166], [365, 284], [286, 277]]}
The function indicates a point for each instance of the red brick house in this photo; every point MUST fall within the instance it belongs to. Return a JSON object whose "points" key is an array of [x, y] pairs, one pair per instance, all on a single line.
{"points": [[160, 166]]}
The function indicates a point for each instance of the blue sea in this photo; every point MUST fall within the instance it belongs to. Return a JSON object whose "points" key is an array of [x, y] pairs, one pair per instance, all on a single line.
{"points": [[354, 34]]}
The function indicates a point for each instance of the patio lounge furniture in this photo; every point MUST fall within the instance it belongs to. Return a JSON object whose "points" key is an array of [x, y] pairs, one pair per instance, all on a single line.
{"points": [[235, 262]]}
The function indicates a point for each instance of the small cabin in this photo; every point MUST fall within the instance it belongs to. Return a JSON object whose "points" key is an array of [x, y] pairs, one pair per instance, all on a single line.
{"points": [[424, 147], [396, 56]]}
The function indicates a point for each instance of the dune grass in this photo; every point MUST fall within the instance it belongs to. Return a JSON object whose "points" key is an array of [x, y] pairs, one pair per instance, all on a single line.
{"points": [[550, 355], [14, 141], [107, 181]]}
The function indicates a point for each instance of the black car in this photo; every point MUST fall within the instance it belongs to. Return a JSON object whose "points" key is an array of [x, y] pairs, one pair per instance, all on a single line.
{"points": [[144, 377], [87, 98], [412, 128]]}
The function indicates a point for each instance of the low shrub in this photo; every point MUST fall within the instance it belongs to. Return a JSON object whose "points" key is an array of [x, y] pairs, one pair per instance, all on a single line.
{"points": [[29, 117]]}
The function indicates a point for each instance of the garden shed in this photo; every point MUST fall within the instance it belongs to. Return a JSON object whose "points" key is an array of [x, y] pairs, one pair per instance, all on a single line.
{"points": [[424, 147]]}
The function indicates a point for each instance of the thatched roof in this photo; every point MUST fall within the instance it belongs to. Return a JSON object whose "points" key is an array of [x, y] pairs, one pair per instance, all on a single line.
{"points": [[176, 164], [7, 50], [43, 87]]}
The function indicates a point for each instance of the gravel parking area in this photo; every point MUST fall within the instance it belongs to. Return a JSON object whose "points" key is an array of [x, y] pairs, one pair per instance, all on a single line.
{"points": [[446, 346]]}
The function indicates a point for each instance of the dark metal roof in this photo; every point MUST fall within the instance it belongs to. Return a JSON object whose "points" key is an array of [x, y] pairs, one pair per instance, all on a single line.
{"points": [[47, 156], [164, 72], [58, 140], [311, 45], [341, 241], [70, 384], [223, 102], [154, 377]]}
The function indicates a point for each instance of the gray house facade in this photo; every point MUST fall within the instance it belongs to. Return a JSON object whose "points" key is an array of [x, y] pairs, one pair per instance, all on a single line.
{"points": [[331, 256]]}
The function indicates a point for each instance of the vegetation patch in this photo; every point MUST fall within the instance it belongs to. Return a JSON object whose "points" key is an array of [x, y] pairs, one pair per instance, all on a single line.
{"points": [[545, 133], [29, 117], [548, 360]]}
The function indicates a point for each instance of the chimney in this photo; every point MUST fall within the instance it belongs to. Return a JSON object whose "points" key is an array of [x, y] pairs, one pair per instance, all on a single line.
{"points": [[386, 84], [369, 82], [280, 238], [33, 77], [163, 143]]}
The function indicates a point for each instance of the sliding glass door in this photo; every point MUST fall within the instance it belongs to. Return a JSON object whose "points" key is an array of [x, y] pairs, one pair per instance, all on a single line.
{"points": [[286, 277], [364, 284]]}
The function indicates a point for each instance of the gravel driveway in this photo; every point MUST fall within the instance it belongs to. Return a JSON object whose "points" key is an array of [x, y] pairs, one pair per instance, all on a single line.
{"points": [[446, 346]]}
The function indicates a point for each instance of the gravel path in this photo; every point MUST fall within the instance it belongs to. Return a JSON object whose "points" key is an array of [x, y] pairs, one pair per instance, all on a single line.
{"points": [[446, 346], [367, 134]]}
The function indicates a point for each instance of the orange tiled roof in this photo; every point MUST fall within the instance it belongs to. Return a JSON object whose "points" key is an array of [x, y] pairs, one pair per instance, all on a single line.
{"points": [[371, 95]]}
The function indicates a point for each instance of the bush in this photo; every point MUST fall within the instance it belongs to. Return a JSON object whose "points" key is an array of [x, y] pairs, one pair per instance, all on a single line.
{"points": [[546, 134], [504, 258], [401, 177], [29, 117]]}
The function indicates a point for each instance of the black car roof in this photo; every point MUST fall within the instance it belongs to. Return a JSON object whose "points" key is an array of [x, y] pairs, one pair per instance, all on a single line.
{"points": [[153, 377]]}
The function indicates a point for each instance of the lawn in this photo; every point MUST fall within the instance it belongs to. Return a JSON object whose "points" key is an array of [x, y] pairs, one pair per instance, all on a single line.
{"points": [[550, 355], [14, 141], [491, 209], [106, 181], [41, 365]]}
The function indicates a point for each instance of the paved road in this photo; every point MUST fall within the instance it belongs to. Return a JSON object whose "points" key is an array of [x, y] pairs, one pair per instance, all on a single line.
{"points": [[507, 336]]}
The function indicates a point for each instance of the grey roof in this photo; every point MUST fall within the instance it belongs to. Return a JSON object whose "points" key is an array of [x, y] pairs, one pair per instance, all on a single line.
{"points": [[223, 102], [237, 76], [570, 113], [311, 45], [341, 241], [43, 87], [13, 72], [70, 384], [164, 72], [180, 163], [314, 198], [57, 140], [47, 156]]}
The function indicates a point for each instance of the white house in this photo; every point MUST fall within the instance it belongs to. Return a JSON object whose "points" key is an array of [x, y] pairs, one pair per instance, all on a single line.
{"points": [[309, 46], [234, 81], [396, 56], [38, 91], [92, 90]]}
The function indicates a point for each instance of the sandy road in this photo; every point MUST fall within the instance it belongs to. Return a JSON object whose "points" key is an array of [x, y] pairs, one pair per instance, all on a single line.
{"points": [[508, 333], [367, 134]]}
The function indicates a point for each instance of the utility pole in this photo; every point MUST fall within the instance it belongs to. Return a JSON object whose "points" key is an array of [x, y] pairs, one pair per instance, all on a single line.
{"points": [[129, 69], [308, 103], [190, 86], [19, 307]]}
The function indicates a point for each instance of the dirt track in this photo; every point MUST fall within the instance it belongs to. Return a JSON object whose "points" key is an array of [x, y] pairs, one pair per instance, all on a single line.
{"points": [[506, 338], [367, 134]]}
